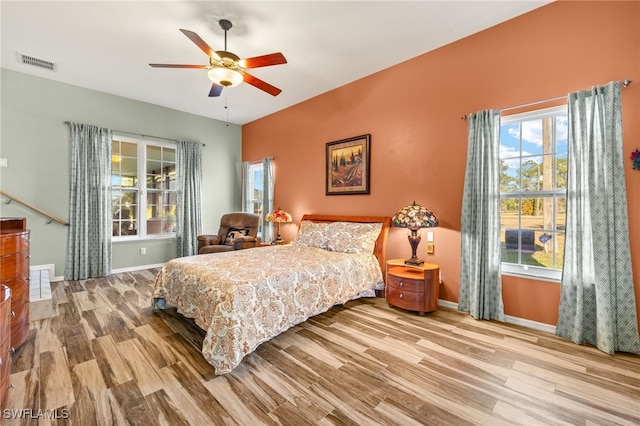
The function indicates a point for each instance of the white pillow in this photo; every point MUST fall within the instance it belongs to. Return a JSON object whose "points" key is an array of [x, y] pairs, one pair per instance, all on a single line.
{"points": [[352, 237], [312, 234]]}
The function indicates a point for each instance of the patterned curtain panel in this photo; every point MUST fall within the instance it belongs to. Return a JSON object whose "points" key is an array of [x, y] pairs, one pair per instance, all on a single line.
{"points": [[267, 198], [189, 197], [247, 191], [480, 283], [597, 302], [89, 237]]}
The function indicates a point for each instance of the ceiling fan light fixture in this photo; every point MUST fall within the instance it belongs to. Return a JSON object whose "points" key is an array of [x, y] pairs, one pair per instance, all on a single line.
{"points": [[226, 69], [225, 77]]}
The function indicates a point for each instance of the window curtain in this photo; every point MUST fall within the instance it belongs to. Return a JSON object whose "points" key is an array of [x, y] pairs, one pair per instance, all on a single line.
{"points": [[480, 283], [267, 198], [597, 302], [189, 197], [89, 236], [247, 191]]}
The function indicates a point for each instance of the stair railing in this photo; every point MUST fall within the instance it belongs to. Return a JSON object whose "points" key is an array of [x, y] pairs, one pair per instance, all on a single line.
{"points": [[50, 217]]}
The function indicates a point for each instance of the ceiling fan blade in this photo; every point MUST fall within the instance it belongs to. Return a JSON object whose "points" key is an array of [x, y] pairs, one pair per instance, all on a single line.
{"points": [[262, 85], [216, 90], [200, 67], [200, 43], [263, 61]]}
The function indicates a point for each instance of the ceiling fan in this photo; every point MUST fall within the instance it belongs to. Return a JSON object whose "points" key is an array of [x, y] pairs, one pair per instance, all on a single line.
{"points": [[226, 69]]}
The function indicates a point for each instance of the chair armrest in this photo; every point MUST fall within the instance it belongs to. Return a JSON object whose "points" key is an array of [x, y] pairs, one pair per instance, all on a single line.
{"points": [[246, 242], [208, 240]]}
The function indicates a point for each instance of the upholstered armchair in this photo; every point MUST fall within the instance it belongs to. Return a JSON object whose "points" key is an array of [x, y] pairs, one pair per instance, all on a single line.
{"points": [[237, 231]]}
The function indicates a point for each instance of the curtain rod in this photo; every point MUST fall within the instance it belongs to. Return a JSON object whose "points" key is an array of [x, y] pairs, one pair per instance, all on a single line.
{"points": [[260, 161], [139, 134], [625, 83]]}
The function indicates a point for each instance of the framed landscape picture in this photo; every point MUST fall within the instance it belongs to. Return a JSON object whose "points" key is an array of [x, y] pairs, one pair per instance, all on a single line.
{"points": [[348, 162]]}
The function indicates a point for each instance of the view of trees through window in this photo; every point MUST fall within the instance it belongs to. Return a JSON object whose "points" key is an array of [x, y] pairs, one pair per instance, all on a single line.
{"points": [[150, 209], [124, 184], [256, 184], [533, 181]]}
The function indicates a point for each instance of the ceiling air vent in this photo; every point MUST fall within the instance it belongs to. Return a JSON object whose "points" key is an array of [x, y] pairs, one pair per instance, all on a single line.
{"points": [[36, 62]]}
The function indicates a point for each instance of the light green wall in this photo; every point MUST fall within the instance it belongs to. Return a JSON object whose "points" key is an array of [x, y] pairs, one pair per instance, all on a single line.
{"points": [[35, 141]]}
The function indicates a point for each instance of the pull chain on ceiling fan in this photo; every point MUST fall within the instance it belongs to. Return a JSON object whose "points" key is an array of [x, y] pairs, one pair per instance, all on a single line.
{"points": [[225, 68]]}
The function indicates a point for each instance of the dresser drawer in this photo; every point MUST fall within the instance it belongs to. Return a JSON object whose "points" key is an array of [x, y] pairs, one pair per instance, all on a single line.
{"points": [[19, 322], [4, 393], [19, 286], [5, 327], [5, 310], [408, 284], [13, 265], [20, 333], [5, 335], [404, 299], [5, 356], [15, 242]]}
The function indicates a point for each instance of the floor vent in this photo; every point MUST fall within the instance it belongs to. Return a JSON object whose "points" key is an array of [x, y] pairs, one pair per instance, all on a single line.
{"points": [[36, 62]]}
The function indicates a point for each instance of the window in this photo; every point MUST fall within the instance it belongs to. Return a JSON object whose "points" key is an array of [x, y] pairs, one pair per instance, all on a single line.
{"points": [[533, 182], [143, 183], [256, 185]]}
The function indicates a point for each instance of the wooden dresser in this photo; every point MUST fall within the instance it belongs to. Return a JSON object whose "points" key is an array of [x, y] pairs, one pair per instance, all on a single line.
{"points": [[5, 345], [14, 273]]}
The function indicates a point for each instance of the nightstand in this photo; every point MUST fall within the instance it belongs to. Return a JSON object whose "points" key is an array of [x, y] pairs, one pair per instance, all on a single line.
{"points": [[414, 288]]}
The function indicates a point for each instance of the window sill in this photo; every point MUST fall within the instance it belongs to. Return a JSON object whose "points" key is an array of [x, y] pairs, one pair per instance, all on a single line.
{"points": [[118, 240], [531, 272]]}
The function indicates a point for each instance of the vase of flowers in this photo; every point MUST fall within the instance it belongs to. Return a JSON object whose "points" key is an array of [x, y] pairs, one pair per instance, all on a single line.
{"points": [[278, 216]]}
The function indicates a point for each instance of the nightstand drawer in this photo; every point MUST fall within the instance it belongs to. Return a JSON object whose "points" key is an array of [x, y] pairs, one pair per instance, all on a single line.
{"points": [[404, 299], [407, 284]]}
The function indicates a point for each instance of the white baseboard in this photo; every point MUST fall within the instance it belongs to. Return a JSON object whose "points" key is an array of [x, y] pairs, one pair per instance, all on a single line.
{"points": [[540, 326], [136, 268], [119, 270], [447, 304], [510, 319]]}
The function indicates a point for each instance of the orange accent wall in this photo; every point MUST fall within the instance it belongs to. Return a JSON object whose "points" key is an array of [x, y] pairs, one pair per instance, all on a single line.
{"points": [[419, 141]]}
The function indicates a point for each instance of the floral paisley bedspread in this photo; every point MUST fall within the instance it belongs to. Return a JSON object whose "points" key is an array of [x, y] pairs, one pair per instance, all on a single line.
{"points": [[244, 298]]}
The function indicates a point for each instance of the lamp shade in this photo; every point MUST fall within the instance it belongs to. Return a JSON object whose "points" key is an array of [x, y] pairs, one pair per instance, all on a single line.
{"points": [[414, 216], [225, 76], [278, 216]]}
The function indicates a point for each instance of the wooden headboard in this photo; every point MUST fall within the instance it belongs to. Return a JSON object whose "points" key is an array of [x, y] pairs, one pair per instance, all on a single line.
{"points": [[379, 250]]}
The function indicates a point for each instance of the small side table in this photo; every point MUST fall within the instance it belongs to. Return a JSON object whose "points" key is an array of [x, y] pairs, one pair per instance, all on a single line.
{"points": [[415, 288]]}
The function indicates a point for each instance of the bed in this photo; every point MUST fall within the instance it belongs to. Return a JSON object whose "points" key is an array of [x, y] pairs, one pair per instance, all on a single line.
{"points": [[246, 297]]}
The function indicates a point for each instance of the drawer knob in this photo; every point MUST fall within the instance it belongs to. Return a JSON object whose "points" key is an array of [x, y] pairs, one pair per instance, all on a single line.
{"points": [[10, 386], [401, 284], [0, 360], [12, 314], [401, 295], [12, 350]]}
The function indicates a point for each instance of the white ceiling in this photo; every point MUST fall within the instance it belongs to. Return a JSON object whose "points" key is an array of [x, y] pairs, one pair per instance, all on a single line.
{"points": [[107, 45]]}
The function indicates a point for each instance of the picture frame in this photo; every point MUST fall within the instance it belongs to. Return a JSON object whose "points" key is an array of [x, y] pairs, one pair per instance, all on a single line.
{"points": [[348, 166]]}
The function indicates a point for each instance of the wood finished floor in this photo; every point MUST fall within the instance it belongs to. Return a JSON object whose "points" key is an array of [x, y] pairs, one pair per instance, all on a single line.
{"points": [[106, 357]]}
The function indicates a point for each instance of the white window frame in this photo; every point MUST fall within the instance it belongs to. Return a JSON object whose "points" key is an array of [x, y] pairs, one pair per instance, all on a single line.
{"points": [[141, 188], [531, 271], [253, 167]]}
